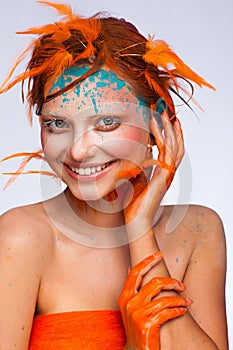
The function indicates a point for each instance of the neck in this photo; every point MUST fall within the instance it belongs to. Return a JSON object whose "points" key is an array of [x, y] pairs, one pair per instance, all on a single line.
{"points": [[94, 223], [105, 212]]}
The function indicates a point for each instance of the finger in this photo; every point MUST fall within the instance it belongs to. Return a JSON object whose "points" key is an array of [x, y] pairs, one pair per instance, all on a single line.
{"points": [[152, 288], [165, 146], [167, 169], [169, 158], [159, 319], [167, 314], [159, 138], [178, 129], [135, 276], [156, 306], [180, 142], [169, 132], [153, 335]]}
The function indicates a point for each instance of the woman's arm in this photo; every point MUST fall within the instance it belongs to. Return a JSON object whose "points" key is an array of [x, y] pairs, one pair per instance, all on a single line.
{"points": [[206, 273], [184, 332], [204, 326], [21, 263]]}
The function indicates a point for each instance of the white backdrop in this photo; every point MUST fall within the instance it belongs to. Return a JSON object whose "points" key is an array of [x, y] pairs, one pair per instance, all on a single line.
{"points": [[200, 32]]}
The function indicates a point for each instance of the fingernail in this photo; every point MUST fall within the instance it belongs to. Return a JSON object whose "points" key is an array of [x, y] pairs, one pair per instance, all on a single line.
{"points": [[182, 285], [165, 115], [189, 301], [158, 255], [177, 122]]}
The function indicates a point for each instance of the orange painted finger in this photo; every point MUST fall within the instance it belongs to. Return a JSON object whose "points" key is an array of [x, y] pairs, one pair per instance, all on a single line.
{"points": [[167, 314], [157, 284], [153, 337], [134, 278], [156, 306]]}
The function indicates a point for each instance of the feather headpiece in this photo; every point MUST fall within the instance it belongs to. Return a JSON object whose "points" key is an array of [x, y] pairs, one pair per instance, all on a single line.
{"points": [[55, 56]]}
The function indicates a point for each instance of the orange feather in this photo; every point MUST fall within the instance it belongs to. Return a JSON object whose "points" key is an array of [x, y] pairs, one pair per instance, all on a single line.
{"points": [[62, 9], [16, 174], [161, 55], [159, 90], [60, 61], [29, 156]]}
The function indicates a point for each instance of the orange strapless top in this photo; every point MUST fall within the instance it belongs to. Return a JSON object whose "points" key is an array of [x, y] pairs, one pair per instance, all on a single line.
{"points": [[78, 330]]}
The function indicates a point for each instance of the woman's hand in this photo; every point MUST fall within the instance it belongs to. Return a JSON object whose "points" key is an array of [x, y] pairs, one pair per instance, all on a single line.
{"points": [[140, 210], [142, 316]]}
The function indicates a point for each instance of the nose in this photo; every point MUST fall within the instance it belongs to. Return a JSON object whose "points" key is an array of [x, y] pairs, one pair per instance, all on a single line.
{"points": [[84, 146]]}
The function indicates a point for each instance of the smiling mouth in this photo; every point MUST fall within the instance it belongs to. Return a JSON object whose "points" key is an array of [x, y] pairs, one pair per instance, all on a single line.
{"points": [[89, 171]]}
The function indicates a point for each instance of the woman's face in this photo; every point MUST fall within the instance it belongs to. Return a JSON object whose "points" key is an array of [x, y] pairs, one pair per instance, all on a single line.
{"points": [[94, 132]]}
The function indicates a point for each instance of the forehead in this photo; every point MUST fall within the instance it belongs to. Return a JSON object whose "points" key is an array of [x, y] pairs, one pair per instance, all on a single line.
{"points": [[100, 92]]}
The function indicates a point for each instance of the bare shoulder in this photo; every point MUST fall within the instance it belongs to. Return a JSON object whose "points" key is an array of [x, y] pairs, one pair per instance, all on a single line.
{"points": [[196, 254], [190, 233], [25, 243], [198, 223], [26, 227]]}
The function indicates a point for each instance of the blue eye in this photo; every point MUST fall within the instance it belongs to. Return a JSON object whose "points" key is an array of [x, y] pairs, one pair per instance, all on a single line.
{"points": [[55, 125], [107, 123], [59, 124]]}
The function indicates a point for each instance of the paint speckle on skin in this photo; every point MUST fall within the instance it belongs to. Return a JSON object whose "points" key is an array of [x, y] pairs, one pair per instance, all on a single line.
{"points": [[202, 243], [59, 242], [11, 283]]}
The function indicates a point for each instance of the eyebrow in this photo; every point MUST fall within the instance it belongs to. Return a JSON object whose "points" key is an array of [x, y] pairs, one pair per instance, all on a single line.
{"points": [[53, 114]]}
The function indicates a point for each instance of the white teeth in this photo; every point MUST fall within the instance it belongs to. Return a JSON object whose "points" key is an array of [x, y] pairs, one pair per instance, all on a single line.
{"points": [[88, 171], [81, 171]]}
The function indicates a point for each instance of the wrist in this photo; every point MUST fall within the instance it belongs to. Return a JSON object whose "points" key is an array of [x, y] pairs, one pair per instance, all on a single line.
{"points": [[139, 230]]}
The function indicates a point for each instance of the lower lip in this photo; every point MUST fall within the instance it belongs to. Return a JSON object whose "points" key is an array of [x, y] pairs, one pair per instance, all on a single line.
{"points": [[87, 178]]}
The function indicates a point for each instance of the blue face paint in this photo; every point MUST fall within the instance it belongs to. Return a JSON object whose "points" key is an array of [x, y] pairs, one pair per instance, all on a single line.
{"points": [[67, 77], [102, 79]]}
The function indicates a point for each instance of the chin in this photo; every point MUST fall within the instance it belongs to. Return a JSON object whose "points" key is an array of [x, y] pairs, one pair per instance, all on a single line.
{"points": [[92, 194]]}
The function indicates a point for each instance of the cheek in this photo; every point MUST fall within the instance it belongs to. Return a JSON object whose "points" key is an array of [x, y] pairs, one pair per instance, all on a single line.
{"points": [[134, 134], [55, 146], [129, 143]]}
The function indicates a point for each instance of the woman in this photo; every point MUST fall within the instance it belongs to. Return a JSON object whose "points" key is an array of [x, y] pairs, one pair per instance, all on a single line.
{"points": [[85, 269]]}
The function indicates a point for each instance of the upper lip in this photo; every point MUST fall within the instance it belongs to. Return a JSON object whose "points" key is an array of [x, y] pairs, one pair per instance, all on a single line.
{"points": [[85, 165]]}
